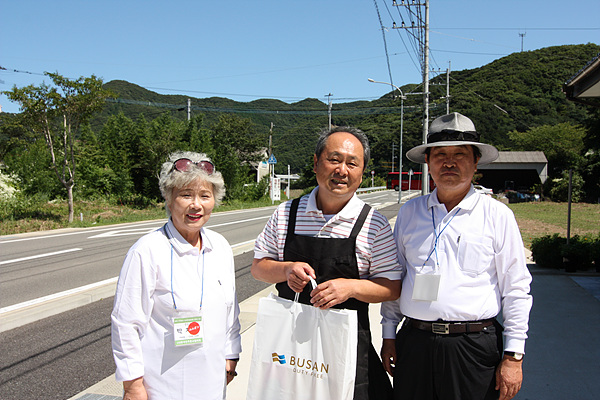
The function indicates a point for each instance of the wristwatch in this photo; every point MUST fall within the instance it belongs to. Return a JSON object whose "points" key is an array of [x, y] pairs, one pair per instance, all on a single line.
{"points": [[516, 356]]}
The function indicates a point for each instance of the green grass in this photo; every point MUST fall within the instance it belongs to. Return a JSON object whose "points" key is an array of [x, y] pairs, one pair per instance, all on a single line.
{"points": [[35, 216], [535, 219], [538, 219]]}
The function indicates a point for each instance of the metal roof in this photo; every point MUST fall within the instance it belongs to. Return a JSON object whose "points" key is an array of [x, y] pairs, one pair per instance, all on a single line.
{"points": [[520, 157], [584, 87]]}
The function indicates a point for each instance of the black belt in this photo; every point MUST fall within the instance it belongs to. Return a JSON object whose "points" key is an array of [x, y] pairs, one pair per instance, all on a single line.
{"points": [[446, 328]]}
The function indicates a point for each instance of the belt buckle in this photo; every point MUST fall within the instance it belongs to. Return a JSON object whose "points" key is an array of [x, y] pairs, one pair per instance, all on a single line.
{"points": [[440, 328]]}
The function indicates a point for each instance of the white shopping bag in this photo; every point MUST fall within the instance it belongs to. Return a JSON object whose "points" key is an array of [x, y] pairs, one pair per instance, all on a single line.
{"points": [[302, 352]]}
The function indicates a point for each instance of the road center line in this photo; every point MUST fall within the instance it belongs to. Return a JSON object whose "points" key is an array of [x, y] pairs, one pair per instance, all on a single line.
{"points": [[39, 256]]}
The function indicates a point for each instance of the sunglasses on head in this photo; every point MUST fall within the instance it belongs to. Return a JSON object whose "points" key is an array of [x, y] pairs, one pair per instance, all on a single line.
{"points": [[185, 164]]}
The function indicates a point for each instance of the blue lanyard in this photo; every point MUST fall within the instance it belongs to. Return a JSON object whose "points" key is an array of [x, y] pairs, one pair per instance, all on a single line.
{"points": [[437, 237], [172, 292]]}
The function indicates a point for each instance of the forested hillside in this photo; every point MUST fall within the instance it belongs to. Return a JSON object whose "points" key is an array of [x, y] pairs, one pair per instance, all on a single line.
{"points": [[516, 103], [517, 92]]}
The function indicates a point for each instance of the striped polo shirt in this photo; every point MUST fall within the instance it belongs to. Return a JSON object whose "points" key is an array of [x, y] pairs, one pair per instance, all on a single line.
{"points": [[375, 247]]}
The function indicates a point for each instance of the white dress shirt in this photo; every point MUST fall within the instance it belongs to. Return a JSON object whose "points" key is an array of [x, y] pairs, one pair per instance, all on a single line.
{"points": [[480, 258], [375, 248], [157, 269]]}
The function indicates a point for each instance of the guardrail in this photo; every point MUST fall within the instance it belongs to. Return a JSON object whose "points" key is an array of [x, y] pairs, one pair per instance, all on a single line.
{"points": [[370, 189]]}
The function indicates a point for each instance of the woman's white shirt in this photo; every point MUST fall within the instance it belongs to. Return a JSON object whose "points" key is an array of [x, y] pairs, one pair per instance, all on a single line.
{"points": [[159, 268]]}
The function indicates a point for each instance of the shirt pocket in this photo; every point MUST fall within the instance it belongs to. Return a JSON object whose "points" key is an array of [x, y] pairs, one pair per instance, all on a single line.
{"points": [[226, 289], [475, 254]]}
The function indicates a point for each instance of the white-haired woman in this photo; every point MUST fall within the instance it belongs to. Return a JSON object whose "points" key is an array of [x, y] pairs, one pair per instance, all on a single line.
{"points": [[175, 328]]}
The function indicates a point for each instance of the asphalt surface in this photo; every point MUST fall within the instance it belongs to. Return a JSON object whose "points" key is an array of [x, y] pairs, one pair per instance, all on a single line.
{"points": [[60, 356]]}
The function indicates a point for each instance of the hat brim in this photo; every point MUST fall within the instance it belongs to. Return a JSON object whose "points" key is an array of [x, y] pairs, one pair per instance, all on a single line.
{"points": [[488, 152]]}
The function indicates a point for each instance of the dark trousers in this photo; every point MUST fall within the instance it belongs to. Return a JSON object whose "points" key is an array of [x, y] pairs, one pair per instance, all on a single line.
{"points": [[447, 367]]}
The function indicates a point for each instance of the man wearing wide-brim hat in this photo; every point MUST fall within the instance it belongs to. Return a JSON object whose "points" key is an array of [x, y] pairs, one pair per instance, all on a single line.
{"points": [[464, 263]]}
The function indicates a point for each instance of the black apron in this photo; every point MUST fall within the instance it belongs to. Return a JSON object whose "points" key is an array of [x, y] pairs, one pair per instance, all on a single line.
{"points": [[333, 258]]}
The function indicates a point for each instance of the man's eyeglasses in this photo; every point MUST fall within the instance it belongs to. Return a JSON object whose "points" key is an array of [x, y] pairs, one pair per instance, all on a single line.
{"points": [[185, 164]]}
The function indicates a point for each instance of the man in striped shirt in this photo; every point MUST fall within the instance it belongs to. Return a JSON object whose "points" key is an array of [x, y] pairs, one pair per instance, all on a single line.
{"points": [[334, 237]]}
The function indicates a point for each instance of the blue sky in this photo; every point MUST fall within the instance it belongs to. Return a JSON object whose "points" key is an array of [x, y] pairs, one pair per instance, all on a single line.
{"points": [[284, 49]]}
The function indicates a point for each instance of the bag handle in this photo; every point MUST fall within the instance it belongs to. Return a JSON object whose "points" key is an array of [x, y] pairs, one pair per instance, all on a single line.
{"points": [[312, 282]]}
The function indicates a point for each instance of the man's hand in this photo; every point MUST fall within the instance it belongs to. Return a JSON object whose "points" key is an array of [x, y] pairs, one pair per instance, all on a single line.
{"points": [[332, 292], [388, 355], [272, 271], [509, 376], [297, 275], [134, 390], [230, 370]]}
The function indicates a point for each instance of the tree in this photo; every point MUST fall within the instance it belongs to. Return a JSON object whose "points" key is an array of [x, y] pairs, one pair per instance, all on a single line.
{"points": [[237, 146], [56, 113], [562, 144]]}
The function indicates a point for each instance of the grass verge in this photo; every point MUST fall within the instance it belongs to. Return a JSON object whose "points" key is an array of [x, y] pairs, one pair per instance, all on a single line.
{"points": [[42, 216], [537, 219]]}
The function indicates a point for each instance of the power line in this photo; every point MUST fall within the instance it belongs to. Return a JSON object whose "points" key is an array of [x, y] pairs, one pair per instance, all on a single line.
{"points": [[348, 111]]}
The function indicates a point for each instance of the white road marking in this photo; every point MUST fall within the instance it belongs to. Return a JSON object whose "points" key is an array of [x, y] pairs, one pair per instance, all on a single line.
{"points": [[39, 256]]}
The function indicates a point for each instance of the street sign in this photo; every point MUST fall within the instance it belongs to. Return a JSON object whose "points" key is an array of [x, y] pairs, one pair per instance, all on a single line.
{"points": [[275, 189], [272, 159]]}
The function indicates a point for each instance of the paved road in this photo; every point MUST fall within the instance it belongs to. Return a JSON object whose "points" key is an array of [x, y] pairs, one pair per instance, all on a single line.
{"points": [[59, 356]]}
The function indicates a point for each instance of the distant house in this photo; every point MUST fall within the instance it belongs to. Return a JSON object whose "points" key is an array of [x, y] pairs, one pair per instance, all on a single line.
{"points": [[584, 87], [514, 170]]}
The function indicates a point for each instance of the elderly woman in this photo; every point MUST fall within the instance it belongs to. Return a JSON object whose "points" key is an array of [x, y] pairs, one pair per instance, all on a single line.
{"points": [[175, 327]]}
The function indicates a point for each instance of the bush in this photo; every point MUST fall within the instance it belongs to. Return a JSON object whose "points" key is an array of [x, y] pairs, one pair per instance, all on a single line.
{"points": [[560, 188], [577, 254], [553, 252], [546, 251]]}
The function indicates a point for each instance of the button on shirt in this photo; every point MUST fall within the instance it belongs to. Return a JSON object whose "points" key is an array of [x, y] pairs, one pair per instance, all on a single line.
{"points": [[142, 328], [480, 258], [375, 248]]}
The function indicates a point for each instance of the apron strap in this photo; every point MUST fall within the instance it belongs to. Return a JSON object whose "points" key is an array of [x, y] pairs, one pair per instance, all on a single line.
{"points": [[360, 220], [292, 216]]}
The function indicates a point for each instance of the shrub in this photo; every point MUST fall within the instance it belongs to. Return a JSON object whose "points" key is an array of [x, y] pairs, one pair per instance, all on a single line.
{"points": [[553, 252], [546, 251], [577, 254]]}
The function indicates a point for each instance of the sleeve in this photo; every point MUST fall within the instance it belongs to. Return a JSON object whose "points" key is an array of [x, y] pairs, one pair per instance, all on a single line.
{"points": [[384, 259], [233, 342], [131, 313], [514, 282], [390, 310], [266, 242]]}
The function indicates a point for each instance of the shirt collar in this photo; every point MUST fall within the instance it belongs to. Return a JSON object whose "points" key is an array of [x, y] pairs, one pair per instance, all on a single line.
{"points": [[350, 210], [467, 203], [183, 246]]}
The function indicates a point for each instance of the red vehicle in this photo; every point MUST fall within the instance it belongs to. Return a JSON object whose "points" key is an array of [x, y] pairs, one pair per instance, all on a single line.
{"points": [[415, 181]]}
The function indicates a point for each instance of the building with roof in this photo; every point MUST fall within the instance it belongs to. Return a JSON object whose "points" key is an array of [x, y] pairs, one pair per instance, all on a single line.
{"points": [[514, 170], [584, 87]]}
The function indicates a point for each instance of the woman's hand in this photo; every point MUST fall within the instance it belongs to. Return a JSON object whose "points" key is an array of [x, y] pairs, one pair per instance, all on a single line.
{"points": [[135, 390]]}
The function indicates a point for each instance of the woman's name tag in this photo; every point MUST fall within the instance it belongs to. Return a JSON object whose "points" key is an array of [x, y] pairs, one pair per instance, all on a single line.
{"points": [[426, 287], [188, 331]]}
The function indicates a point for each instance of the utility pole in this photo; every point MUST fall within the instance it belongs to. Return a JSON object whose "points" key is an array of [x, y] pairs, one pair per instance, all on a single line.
{"points": [[329, 108], [448, 89], [423, 40], [425, 175], [189, 109], [393, 155], [522, 36], [270, 150]]}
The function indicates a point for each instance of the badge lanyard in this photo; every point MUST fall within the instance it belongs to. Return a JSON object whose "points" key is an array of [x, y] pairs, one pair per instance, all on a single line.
{"points": [[426, 286], [437, 237], [188, 327]]}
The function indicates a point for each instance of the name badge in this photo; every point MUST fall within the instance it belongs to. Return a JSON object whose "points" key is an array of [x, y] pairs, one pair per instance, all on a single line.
{"points": [[188, 330], [426, 287]]}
